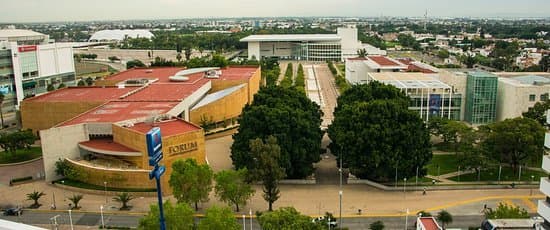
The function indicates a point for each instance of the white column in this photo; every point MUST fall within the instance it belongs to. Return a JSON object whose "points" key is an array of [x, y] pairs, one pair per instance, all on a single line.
{"points": [[17, 73]]}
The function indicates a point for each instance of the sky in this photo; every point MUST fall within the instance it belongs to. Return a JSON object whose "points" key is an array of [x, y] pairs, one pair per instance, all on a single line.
{"points": [[86, 10]]}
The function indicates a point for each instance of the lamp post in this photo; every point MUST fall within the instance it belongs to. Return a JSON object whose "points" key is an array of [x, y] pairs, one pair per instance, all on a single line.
{"points": [[71, 219], [102, 221], [244, 222], [405, 187], [54, 222], [250, 213], [340, 192], [531, 190], [105, 191]]}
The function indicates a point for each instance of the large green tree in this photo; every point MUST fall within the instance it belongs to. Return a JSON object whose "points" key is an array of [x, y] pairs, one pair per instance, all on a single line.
{"points": [[504, 211], [376, 134], [11, 142], [265, 167], [287, 115], [232, 187], [287, 218], [190, 181], [514, 141], [218, 218], [176, 217], [538, 112]]}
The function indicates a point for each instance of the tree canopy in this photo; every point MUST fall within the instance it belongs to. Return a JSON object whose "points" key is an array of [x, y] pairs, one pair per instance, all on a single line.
{"points": [[218, 218], [375, 133], [265, 167], [287, 218], [504, 211], [287, 115], [11, 142], [176, 217], [191, 182], [514, 141], [232, 188], [538, 112]]}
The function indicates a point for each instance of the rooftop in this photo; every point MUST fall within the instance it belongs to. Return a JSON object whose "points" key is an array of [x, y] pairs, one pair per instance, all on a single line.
{"points": [[167, 128], [167, 91], [120, 34], [161, 74], [291, 37], [108, 146], [429, 223], [384, 61], [117, 111], [407, 80], [237, 73], [12, 33], [90, 94], [532, 79], [216, 96], [414, 66]]}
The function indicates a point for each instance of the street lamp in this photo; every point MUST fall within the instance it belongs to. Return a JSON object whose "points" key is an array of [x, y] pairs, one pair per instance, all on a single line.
{"points": [[105, 192], [71, 219], [340, 192], [63, 183], [405, 187], [531, 190], [244, 222], [250, 213], [102, 221]]}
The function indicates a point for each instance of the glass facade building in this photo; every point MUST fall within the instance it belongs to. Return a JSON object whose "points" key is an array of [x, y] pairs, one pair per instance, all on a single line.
{"points": [[316, 51], [481, 98]]}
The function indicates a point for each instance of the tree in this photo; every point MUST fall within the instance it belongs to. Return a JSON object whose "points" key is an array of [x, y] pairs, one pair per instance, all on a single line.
{"points": [[514, 141], [50, 88], [445, 218], [134, 63], [287, 218], [362, 52], [423, 213], [538, 112], [218, 61], [81, 83], [89, 81], [35, 196], [178, 217], [266, 167], [376, 135], [11, 142], [292, 119], [218, 218], [232, 188], [76, 198], [123, 198], [377, 225], [191, 182], [443, 54], [61, 86], [504, 211], [2, 96]]}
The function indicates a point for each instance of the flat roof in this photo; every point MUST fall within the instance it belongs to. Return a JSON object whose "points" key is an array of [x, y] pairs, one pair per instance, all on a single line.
{"points": [[532, 79], [106, 144], [11, 33], [167, 128], [429, 223], [291, 38], [237, 73], [167, 91], [161, 74], [216, 96], [117, 111], [409, 80], [94, 94]]}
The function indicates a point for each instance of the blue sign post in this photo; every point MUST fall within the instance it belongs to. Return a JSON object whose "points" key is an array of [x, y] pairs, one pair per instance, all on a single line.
{"points": [[154, 151]]}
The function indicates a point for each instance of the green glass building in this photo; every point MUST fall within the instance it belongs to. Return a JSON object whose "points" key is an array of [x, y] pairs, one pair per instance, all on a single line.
{"points": [[481, 98]]}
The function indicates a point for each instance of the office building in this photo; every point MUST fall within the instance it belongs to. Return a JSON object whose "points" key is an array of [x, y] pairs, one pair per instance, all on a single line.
{"points": [[517, 94], [481, 98], [544, 204]]}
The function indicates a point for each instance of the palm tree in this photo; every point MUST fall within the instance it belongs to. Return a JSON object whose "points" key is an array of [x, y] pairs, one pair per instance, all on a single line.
{"points": [[123, 198], [445, 218], [362, 53], [75, 199], [35, 196]]}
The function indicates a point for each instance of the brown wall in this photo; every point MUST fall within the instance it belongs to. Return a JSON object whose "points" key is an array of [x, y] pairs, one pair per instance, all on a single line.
{"points": [[254, 85], [44, 115], [225, 108]]}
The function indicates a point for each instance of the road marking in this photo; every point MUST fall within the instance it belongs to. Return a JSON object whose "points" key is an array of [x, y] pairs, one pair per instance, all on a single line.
{"points": [[530, 204]]}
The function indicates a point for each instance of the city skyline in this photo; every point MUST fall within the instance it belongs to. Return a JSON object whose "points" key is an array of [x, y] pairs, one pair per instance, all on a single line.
{"points": [[78, 10]]}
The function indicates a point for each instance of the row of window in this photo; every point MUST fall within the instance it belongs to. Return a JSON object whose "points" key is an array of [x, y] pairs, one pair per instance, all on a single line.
{"points": [[543, 97]]}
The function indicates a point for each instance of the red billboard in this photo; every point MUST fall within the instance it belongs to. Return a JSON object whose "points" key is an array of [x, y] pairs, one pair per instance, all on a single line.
{"points": [[26, 48]]}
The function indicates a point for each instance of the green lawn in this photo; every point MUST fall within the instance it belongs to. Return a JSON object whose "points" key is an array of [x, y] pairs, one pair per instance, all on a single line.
{"points": [[20, 155], [446, 163], [83, 185], [507, 174], [341, 67], [391, 44]]}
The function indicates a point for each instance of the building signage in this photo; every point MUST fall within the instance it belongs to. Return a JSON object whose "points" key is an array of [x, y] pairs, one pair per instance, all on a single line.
{"points": [[154, 146], [182, 148], [27, 48]]}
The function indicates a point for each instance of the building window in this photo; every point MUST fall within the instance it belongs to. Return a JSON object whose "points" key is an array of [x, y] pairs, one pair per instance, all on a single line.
{"points": [[544, 97], [532, 97]]}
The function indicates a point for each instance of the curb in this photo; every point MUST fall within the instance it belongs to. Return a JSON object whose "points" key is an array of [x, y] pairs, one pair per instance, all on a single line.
{"points": [[21, 163]]}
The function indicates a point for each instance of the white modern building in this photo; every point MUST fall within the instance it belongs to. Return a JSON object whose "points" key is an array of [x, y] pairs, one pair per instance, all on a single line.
{"points": [[308, 47], [544, 205], [119, 35], [517, 94], [29, 63]]}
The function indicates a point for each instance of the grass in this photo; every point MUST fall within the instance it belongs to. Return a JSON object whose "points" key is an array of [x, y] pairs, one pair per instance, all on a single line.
{"points": [[78, 184], [391, 44], [446, 163], [20, 155], [341, 67], [83, 68], [507, 174]]}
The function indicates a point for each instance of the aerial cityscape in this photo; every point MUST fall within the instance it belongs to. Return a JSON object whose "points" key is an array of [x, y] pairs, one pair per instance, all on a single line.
{"points": [[288, 115]]}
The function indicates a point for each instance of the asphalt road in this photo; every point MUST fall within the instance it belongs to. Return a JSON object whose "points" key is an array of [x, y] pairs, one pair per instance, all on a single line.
{"points": [[123, 220]]}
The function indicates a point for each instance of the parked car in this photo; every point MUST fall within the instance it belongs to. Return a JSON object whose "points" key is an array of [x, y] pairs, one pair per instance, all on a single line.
{"points": [[16, 211]]}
